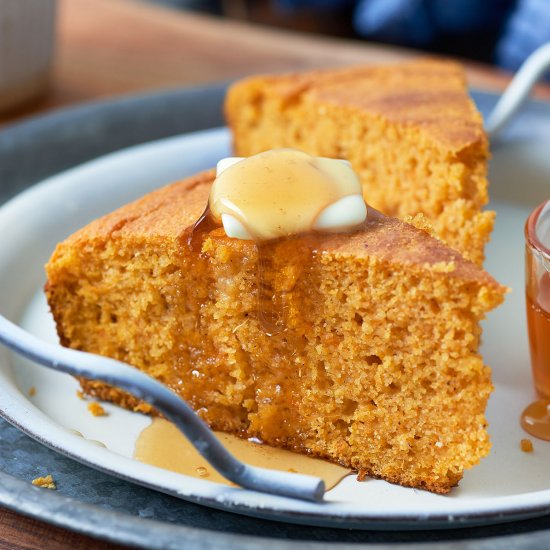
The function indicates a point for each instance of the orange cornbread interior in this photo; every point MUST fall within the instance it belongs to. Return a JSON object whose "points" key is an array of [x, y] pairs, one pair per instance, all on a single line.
{"points": [[410, 131], [378, 369]]}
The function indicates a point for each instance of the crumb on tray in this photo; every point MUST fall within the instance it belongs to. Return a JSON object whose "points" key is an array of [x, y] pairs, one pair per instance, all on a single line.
{"points": [[45, 482], [96, 409], [526, 446], [32, 391]]}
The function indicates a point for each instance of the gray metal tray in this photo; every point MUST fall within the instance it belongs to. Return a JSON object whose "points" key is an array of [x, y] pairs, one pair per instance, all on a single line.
{"points": [[94, 503]]}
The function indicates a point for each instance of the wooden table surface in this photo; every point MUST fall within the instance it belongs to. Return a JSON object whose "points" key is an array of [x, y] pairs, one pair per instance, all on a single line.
{"points": [[108, 48]]}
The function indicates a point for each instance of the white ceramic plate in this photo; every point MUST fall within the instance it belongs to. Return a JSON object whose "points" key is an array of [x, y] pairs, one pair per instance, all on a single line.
{"points": [[509, 484]]}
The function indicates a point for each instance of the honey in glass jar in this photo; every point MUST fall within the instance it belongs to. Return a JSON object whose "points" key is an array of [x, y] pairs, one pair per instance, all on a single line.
{"points": [[536, 417]]}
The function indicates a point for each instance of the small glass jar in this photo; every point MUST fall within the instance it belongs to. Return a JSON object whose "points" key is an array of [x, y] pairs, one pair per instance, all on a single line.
{"points": [[537, 294]]}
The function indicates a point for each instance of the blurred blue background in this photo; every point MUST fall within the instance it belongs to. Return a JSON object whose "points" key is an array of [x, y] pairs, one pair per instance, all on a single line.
{"points": [[503, 32]]}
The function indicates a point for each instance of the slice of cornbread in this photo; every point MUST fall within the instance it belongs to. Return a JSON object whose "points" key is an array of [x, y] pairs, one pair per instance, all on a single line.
{"points": [[378, 369], [410, 131]]}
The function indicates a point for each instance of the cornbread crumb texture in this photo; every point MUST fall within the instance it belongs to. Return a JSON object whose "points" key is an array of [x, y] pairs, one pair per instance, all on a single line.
{"points": [[526, 445], [410, 131], [96, 409], [378, 371], [46, 482], [420, 222]]}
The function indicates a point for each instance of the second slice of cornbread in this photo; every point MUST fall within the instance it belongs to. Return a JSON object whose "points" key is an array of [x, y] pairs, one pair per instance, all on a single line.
{"points": [[410, 130]]}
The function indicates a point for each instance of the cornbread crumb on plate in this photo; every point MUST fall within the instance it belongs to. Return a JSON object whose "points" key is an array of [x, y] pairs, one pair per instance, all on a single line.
{"points": [[32, 391], [527, 446], [46, 482], [96, 409]]}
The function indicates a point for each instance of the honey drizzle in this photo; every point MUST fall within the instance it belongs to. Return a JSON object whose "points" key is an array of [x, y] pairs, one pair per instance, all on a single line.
{"points": [[271, 307], [271, 310], [281, 192], [200, 229], [535, 419]]}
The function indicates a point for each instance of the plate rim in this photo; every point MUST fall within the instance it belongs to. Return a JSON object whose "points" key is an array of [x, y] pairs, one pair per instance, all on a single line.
{"points": [[95, 522]]}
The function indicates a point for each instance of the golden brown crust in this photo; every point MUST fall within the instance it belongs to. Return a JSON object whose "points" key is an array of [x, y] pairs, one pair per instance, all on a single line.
{"points": [[425, 93], [105, 392], [168, 213]]}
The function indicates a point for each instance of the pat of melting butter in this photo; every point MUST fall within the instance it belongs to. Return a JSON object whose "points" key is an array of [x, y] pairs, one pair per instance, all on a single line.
{"points": [[284, 192]]}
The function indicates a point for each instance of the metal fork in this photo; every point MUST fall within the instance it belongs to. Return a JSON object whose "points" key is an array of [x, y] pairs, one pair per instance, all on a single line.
{"points": [[139, 384]]}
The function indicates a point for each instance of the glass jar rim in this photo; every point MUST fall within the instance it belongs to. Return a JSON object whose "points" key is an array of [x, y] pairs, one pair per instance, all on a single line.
{"points": [[531, 235]]}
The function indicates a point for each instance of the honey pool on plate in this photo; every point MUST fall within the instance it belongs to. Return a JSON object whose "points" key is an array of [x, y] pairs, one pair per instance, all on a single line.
{"points": [[162, 444]]}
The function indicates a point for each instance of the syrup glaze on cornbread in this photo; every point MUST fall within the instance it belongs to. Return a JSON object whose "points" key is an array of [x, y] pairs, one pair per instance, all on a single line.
{"points": [[271, 303], [275, 195], [385, 377], [285, 192], [409, 130]]}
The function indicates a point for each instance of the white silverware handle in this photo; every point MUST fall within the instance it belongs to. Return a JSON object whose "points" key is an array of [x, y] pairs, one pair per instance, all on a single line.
{"points": [[533, 68]]}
